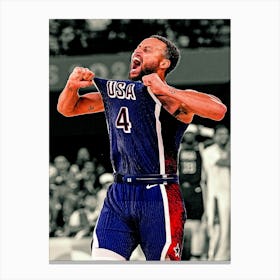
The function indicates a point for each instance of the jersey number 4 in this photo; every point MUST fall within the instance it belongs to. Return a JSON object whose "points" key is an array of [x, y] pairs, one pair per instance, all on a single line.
{"points": [[123, 121]]}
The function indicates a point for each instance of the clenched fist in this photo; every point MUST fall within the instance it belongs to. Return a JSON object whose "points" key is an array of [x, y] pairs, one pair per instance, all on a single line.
{"points": [[80, 78], [154, 82]]}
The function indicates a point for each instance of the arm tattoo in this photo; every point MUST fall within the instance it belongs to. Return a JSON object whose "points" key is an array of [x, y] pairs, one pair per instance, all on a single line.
{"points": [[172, 90], [90, 108], [179, 111]]}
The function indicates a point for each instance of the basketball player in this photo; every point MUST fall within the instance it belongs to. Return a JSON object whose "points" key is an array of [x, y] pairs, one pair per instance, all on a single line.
{"points": [[190, 176], [146, 120]]}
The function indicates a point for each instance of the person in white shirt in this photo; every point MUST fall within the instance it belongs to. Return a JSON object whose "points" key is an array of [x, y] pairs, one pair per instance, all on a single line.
{"points": [[216, 161]]}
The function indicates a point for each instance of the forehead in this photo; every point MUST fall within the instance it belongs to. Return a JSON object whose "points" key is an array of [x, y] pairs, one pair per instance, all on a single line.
{"points": [[153, 42], [60, 160], [222, 131]]}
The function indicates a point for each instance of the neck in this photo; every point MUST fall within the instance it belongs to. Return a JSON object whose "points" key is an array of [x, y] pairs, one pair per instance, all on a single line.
{"points": [[161, 75], [222, 146]]}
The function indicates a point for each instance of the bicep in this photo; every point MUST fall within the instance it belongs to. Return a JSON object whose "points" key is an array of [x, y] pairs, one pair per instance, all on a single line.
{"points": [[90, 103]]}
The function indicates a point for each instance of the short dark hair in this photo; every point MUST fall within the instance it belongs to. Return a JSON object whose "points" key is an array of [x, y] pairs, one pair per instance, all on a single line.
{"points": [[172, 52]]}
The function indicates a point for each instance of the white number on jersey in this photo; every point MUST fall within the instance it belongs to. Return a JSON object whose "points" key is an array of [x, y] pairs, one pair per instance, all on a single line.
{"points": [[188, 167], [123, 121]]}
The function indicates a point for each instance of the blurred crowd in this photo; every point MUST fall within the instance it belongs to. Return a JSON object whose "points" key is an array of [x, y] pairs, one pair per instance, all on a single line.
{"points": [[77, 192], [83, 37], [204, 174]]}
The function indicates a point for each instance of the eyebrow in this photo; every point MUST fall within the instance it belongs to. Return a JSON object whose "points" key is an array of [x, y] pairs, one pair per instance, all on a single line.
{"points": [[150, 47], [145, 46]]}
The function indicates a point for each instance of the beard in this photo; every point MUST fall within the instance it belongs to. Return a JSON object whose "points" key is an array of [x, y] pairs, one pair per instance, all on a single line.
{"points": [[145, 71]]}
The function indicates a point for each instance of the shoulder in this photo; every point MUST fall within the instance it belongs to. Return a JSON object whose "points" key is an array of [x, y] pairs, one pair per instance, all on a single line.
{"points": [[210, 149]]}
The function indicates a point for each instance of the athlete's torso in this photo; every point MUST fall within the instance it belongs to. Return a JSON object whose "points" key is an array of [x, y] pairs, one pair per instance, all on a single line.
{"points": [[144, 137]]}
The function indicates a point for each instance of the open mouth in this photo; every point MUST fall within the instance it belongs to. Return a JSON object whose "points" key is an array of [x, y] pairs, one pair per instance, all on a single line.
{"points": [[135, 63]]}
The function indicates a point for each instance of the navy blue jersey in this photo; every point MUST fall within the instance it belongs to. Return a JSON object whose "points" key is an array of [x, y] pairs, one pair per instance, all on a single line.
{"points": [[144, 137], [190, 164]]}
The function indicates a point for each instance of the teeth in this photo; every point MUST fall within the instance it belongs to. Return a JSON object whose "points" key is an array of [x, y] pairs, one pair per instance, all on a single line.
{"points": [[136, 59]]}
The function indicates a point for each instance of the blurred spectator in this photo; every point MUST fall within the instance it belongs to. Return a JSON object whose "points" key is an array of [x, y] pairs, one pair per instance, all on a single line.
{"points": [[53, 172], [83, 220], [72, 187], [62, 165], [105, 180], [56, 201], [70, 204], [55, 214], [81, 37], [100, 170], [89, 177], [83, 156], [53, 38], [54, 46], [72, 36], [75, 175], [190, 173], [216, 160]]}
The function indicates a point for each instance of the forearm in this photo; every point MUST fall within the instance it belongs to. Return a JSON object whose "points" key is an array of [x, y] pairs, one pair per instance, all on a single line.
{"points": [[191, 102], [201, 104], [68, 100]]}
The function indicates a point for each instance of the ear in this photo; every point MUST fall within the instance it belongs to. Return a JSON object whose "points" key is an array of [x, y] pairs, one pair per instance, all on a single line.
{"points": [[165, 63]]}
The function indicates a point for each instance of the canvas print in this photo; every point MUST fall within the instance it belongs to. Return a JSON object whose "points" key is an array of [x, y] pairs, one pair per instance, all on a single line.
{"points": [[139, 140]]}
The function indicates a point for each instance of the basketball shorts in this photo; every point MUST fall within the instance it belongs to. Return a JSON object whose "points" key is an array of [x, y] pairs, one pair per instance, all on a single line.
{"points": [[150, 215], [193, 200]]}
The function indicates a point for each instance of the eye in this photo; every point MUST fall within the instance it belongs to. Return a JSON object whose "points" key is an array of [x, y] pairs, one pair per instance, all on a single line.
{"points": [[147, 49]]}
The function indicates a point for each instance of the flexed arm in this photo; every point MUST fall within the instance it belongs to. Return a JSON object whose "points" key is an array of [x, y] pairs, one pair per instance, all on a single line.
{"points": [[188, 102], [70, 103]]}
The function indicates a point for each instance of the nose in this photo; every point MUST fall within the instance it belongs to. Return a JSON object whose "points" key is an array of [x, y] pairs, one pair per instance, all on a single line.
{"points": [[138, 51]]}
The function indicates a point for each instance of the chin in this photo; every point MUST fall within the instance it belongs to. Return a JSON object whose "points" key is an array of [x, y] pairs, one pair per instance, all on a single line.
{"points": [[134, 78]]}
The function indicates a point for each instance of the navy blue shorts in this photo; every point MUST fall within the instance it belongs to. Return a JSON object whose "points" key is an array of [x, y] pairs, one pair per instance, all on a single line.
{"points": [[150, 215]]}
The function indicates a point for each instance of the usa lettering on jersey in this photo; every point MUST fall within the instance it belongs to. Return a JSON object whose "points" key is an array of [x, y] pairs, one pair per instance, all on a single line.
{"points": [[121, 90]]}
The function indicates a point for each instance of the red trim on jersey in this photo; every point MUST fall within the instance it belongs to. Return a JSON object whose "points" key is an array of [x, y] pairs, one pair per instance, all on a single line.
{"points": [[177, 220]]}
